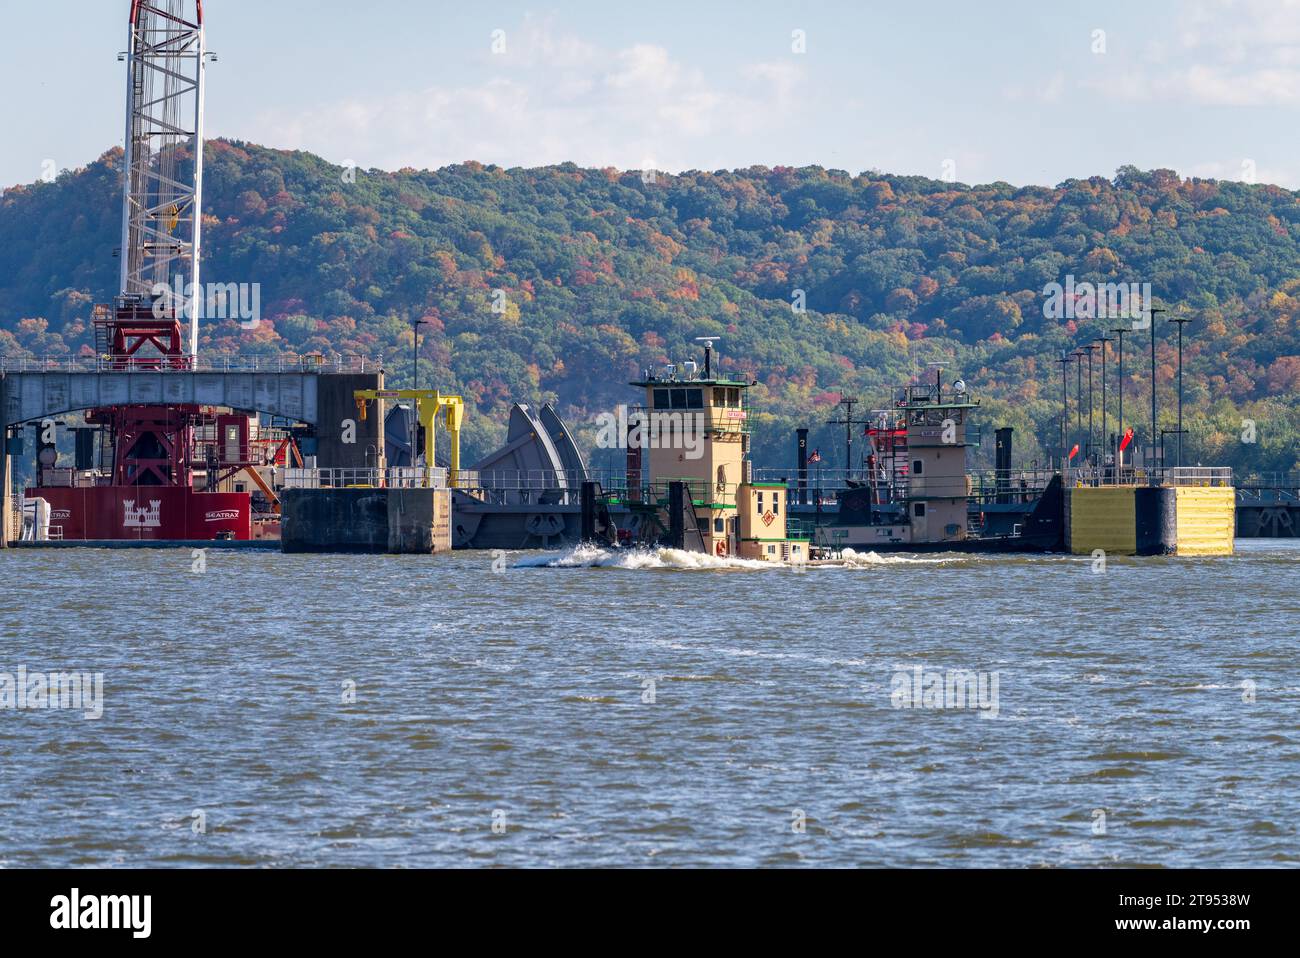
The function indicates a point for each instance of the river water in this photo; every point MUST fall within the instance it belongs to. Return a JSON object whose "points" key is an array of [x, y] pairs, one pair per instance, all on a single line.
{"points": [[665, 710]]}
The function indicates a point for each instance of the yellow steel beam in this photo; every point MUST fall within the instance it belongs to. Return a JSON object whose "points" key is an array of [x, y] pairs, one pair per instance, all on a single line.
{"points": [[266, 490], [428, 404]]}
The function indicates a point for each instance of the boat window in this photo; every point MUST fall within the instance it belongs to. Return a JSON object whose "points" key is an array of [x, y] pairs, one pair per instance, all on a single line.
{"points": [[679, 398], [695, 399], [661, 398], [760, 503], [733, 396], [776, 504], [918, 509], [718, 525], [917, 465], [719, 396]]}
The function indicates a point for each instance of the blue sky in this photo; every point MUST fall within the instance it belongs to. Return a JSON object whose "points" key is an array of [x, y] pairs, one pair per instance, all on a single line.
{"points": [[1026, 92]]}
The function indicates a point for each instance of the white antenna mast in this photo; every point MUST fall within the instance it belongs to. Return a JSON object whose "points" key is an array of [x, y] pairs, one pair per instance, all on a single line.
{"points": [[708, 342]]}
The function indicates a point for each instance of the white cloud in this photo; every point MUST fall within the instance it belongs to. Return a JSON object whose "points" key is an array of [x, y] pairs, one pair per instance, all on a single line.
{"points": [[1226, 53], [550, 98], [1243, 170]]}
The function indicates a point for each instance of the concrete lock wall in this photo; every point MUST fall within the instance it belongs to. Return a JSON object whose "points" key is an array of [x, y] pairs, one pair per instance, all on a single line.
{"points": [[1205, 520], [1156, 518], [419, 521], [398, 521], [334, 520], [1100, 518], [1150, 520]]}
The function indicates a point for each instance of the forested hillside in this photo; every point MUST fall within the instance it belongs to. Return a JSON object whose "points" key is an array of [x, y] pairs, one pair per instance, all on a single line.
{"points": [[562, 283]]}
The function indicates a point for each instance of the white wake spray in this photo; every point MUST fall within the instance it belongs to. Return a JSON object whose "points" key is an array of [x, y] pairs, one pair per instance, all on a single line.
{"points": [[596, 557]]}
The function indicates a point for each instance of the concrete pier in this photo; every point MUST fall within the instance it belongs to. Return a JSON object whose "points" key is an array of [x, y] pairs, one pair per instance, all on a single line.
{"points": [[419, 521], [334, 520], [395, 521], [1186, 520]]}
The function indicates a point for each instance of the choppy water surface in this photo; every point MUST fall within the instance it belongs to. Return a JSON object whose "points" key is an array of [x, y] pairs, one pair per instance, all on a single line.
{"points": [[520, 698]]}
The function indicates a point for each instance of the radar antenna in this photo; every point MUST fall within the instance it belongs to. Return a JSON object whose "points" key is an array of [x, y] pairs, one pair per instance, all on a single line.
{"points": [[708, 342]]}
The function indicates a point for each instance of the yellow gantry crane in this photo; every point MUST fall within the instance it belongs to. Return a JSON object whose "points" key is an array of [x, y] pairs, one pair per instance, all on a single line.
{"points": [[428, 404]]}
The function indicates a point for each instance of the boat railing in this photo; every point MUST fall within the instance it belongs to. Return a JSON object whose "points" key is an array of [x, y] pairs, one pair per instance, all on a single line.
{"points": [[800, 528], [822, 485], [1009, 486]]}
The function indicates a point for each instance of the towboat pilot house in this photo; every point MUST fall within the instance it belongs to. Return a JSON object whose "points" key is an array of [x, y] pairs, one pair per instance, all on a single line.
{"points": [[694, 433]]}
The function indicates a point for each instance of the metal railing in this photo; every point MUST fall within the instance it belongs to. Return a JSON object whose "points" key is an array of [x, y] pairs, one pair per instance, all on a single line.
{"points": [[1022, 486], [826, 478], [1150, 476], [800, 528], [1260, 495], [511, 480], [232, 364], [1270, 480], [531, 486], [402, 477], [823, 485]]}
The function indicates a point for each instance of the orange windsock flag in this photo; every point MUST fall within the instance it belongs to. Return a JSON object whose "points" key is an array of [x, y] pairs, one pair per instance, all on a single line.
{"points": [[1128, 437], [1073, 452]]}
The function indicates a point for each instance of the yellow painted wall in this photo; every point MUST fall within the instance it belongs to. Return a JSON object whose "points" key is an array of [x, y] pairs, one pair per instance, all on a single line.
{"points": [[1206, 520], [1101, 518]]}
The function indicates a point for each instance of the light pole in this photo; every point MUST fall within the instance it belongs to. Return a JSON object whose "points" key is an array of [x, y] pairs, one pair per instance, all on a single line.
{"points": [[1065, 410], [1078, 392], [1153, 311], [1163, 433], [1090, 347], [1105, 436], [1181, 321], [415, 352], [1119, 428]]}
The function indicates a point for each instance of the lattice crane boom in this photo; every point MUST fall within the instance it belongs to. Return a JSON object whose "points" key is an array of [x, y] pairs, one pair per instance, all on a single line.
{"points": [[162, 200]]}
